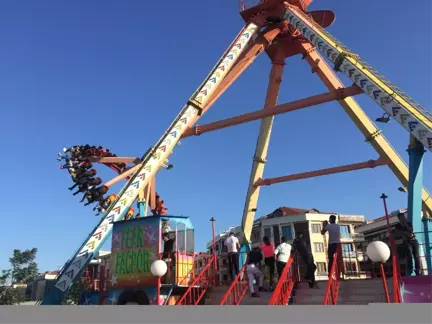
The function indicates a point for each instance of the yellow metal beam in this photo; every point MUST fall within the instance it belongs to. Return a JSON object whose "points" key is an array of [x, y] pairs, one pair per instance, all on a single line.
{"points": [[363, 123], [261, 150], [414, 118]]}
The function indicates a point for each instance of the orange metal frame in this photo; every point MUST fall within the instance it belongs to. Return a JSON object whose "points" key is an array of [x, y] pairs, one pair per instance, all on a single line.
{"points": [[286, 283], [149, 191], [332, 290], [237, 289], [317, 173], [276, 110], [199, 285]]}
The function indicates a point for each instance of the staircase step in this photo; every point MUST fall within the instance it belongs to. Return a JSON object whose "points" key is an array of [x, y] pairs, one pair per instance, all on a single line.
{"points": [[351, 292], [215, 294], [262, 300]]}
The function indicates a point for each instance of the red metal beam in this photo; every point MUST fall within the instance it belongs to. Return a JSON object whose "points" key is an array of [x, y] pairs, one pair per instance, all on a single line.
{"points": [[317, 173], [122, 176], [276, 110]]}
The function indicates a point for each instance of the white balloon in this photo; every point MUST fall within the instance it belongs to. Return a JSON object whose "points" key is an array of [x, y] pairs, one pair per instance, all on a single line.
{"points": [[159, 268], [378, 251]]}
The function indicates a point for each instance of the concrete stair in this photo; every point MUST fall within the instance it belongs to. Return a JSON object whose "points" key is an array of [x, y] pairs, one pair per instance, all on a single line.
{"points": [[263, 299], [214, 295], [351, 292]]}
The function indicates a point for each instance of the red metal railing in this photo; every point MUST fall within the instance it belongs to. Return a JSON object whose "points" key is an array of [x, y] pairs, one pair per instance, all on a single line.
{"points": [[237, 289], [199, 285], [332, 290], [286, 283], [395, 262], [396, 274], [384, 280]]}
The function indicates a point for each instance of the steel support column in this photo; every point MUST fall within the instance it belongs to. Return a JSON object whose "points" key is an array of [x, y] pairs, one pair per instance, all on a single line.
{"points": [[261, 149]]}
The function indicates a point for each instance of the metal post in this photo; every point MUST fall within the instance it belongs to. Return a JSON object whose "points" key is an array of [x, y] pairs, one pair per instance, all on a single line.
{"points": [[427, 248], [141, 208], [396, 290], [384, 197], [158, 291], [212, 220], [384, 279], [415, 184]]}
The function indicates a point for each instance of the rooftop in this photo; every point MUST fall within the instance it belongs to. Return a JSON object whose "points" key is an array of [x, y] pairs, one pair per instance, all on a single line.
{"points": [[288, 211]]}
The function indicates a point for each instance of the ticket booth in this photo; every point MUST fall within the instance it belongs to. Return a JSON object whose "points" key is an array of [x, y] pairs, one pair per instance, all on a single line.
{"points": [[136, 244]]}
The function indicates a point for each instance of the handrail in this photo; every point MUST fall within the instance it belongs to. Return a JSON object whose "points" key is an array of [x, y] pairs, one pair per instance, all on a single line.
{"points": [[200, 283], [286, 283], [191, 271], [395, 262], [396, 272], [332, 290], [237, 289]]}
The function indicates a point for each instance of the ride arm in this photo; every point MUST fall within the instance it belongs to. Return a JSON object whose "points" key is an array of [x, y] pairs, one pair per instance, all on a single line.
{"points": [[408, 113], [151, 163]]}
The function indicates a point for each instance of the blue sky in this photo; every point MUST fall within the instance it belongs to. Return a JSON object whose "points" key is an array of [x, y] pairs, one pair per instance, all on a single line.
{"points": [[115, 73]]}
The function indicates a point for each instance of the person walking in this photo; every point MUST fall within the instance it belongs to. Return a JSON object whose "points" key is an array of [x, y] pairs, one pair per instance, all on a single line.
{"points": [[283, 253], [404, 230], [267, 249], [333, 230], [233, 245], [254, 272], [300, 246]]}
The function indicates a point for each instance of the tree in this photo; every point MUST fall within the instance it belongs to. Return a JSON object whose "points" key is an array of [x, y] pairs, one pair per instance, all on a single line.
{"points": [[8, 295], [74, 295], [24, 267], [24, 270]]}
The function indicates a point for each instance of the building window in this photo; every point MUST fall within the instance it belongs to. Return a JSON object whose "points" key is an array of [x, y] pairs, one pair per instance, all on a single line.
{"points": [[347, 251], [321, 267], [345, 231], [287, 233], [224, 262], [225, 277], [350, 267], [318, 247], [199, 264], [256, 236], [267, 232], [316, 228]]}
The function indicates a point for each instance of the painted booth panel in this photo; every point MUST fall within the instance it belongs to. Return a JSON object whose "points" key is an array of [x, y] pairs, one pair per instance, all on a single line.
{"points": [[134, 249]]}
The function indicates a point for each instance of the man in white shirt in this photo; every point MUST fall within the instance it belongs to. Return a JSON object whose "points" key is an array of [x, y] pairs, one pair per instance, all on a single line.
{"points": [[283, 253], [334, 238], [233, 245]]}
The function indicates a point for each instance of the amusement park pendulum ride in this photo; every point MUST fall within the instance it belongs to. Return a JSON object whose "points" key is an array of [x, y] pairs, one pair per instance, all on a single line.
{"points": [[281, 29]]}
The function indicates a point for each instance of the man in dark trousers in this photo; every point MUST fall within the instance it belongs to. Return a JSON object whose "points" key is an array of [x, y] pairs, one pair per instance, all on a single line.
{"points": [[333, 230], [404, 230], [168, 255], [254, 272], [233, 245], [168, 246], [300, 246]]}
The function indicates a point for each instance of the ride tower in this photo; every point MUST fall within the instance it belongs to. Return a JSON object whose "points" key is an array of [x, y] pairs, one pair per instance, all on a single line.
{"points": [[302, 32], [281, 29]]}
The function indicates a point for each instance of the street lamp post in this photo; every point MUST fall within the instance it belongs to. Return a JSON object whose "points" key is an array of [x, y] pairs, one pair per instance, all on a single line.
{"points": [[212, 220], [158, 269], [379, 252]]}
